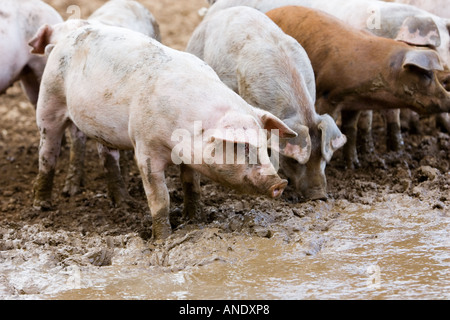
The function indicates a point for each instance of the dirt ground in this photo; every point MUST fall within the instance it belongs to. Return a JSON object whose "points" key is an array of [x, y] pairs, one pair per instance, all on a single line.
{"points": [[87, 231]]}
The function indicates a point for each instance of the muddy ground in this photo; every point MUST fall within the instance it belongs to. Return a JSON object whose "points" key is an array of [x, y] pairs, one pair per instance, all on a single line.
{"points": [[39, 250]]}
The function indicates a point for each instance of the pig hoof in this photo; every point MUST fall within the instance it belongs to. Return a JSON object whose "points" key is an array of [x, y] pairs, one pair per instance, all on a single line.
{"points": [[193, 213], [375, 161], [71, 190], [42, 205], [353, 164], [161, 233], [126, 203], [396, 144]]}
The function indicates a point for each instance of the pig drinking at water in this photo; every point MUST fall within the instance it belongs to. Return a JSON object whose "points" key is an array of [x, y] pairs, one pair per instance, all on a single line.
{"points": [[356, 70], [128, 91], [270, 70], [19, 21]]}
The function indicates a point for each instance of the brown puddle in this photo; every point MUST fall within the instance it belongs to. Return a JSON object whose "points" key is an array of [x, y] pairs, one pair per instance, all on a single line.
{"points": [[398, 249]]}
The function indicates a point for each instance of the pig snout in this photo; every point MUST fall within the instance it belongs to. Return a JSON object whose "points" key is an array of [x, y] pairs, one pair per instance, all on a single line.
{"points": [[316, 194], [276, 190]]}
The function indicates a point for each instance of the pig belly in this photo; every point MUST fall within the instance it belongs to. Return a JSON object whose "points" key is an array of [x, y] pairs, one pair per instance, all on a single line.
{"points": [[109, 126]]}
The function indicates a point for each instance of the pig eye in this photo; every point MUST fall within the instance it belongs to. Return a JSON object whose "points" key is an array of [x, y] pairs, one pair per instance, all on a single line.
{"points": [[425, 75]]}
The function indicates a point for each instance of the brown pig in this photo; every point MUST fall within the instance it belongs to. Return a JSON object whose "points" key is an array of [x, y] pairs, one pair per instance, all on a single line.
{"points": [[357, 71]]}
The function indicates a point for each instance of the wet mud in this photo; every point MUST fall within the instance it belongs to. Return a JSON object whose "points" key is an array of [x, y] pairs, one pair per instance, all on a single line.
{"points": [[383, 233]]}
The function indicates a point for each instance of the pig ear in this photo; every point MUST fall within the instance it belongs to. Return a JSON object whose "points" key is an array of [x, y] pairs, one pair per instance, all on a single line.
{"points": [[248, 136], [419, 31], [298, 148], [424, 59], [270, 122], [41, 39], [332, 138]]}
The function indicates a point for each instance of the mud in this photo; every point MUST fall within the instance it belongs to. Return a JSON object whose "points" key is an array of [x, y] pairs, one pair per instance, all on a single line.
{"points": [[383, 234]]}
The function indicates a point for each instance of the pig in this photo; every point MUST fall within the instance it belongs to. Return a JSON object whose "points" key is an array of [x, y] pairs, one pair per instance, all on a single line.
{"points": [[130, 92], [271, 70], [439, 8], [391, 20], [128, 14], [358, 70], [19, 21], [134, 16]]}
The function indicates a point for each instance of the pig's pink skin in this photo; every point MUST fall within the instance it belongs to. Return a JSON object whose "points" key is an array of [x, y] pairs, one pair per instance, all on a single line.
{"points": [[19, 21], [133, 16], [128, 91]]}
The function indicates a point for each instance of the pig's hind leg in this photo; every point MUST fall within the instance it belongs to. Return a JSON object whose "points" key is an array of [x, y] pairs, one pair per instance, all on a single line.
{"points": [[75, 175], [117, 189], [190, 180], [52, 122], [349, 128]]}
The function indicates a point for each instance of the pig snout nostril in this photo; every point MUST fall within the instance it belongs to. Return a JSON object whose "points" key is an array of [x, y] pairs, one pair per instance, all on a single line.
{"points": [[277, 190]]}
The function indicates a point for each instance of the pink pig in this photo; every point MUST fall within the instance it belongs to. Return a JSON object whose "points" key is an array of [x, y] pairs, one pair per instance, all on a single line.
{"points": [[128, 91], [19, 21]]}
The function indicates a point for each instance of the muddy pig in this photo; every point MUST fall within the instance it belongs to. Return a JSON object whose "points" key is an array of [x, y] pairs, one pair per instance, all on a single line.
{"points": [[128, 14], [391, 20], [134, 16], [271, 70], [128, 91], [356, 70], [19, 21]]}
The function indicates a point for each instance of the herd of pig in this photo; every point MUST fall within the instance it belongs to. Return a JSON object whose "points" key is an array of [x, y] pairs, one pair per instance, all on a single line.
{"points": [[294, 66]]}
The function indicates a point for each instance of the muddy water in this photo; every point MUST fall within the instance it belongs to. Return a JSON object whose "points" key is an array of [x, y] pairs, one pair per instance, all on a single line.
{"points": [[399, 249]]}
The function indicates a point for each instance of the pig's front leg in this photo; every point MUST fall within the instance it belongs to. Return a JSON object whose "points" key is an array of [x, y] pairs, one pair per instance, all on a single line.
{"points": [[366, 146], [192, 192], [158, 198], [349, 128], [365, 135], [394, 139], [117, 190], [75, 175]]}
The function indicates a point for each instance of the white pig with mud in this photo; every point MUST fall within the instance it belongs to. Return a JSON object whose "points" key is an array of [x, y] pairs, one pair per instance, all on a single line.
{"points": [[19, 21], [128, 91], [397, 21], [272, 71], [128, 14], [134, 16]]}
